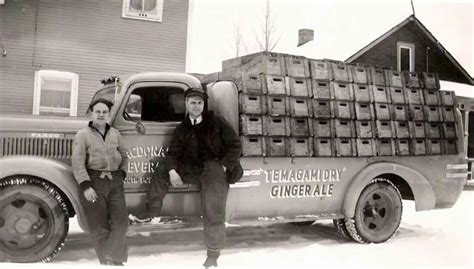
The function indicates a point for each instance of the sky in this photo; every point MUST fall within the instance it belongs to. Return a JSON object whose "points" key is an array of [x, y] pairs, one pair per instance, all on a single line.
{"points": [[341, 28]]}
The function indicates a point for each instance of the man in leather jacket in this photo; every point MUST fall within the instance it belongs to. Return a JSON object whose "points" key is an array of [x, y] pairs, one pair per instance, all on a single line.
{"points": [[204, 150]]}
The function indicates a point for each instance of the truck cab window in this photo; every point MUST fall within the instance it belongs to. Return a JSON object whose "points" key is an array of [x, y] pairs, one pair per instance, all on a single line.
{"points": [[155, 104]]}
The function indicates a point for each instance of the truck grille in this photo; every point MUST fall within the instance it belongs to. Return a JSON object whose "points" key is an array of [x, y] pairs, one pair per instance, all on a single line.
{"points": [[45, 147]]}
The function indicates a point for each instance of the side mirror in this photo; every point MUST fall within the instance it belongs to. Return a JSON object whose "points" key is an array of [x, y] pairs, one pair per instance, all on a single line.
{"points": [[139, 128]]}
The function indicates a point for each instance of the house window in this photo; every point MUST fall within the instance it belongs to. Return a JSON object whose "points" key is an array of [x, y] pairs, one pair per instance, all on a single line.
{"points": [[151, 10], [406, 56], [55, 93], [156, 104]]}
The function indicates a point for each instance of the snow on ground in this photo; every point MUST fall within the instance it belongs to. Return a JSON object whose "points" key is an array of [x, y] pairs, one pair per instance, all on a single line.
{"points": [[427, 239]]}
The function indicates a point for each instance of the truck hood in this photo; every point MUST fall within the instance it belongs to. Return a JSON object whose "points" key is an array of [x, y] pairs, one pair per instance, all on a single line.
{"points": [[42, 124]]}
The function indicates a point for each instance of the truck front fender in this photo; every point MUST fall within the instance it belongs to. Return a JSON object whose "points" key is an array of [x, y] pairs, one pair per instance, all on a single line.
{"points": [[55, 172], [422, 190]]}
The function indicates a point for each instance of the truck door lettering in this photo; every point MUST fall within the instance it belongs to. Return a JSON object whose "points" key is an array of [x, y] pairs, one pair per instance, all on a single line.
{"points": [[146, 151], [282, 182]]}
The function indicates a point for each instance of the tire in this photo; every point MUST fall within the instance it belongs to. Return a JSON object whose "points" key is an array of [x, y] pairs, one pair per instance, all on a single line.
{"points": [[378, 213], [340, 225], [34, 220]]}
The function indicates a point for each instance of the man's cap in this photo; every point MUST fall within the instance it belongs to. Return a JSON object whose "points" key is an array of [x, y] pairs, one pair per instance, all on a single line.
{"points": [[195, 92]]}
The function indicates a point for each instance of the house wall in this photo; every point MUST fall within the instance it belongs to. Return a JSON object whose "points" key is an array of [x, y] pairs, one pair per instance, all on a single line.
{"points": [[385, 54], [86, 37]]}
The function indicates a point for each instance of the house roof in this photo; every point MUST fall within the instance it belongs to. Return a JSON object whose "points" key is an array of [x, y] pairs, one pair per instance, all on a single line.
{"points": [[427, 34]]}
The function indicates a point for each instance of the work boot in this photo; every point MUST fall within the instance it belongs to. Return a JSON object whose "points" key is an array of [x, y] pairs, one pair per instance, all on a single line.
{"points": [[211, 260]]}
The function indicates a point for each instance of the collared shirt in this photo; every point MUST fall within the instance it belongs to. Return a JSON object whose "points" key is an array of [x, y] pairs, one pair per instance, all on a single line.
{"points": [[97, 151], [198, 120]]}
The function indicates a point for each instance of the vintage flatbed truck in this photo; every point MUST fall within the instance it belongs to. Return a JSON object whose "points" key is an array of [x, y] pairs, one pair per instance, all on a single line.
{"points": [[362, 194]]}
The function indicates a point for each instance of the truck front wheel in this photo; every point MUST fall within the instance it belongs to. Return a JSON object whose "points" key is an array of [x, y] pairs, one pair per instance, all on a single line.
{"points": [[34, 220], [378, 213]]}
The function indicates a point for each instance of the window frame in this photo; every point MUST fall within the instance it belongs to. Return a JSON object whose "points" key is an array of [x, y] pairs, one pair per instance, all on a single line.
{"points": [[55, 75], [411, 49], [157, 17]]}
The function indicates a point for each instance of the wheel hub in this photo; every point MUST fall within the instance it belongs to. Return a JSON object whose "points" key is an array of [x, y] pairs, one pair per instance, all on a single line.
{"points": [[23, 225]]}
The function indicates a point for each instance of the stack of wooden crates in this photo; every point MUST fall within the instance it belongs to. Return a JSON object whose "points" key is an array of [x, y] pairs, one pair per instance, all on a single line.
{"points": [[293, 106]]}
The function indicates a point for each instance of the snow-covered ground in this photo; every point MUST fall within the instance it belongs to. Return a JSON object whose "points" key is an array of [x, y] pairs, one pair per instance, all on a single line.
{"points": [[437, 238]]}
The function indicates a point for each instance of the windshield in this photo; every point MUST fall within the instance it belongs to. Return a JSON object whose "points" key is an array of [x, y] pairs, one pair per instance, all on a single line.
{"points": [[107, 93]]}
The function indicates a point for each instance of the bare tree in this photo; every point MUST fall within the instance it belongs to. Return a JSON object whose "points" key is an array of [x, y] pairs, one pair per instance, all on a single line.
{"points": [[267, 41], [237, 39]]}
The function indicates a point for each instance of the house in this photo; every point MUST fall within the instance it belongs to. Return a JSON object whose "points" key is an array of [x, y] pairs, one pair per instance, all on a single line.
{"points": [[56, 52], [411, 46]]}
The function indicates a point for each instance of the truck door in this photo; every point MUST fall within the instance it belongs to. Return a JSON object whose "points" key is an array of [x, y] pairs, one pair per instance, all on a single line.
{"points": [[160, 107]]}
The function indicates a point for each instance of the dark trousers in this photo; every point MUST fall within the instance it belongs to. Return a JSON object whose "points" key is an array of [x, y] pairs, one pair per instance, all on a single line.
{"points": [[108, 218], [214, 189]]}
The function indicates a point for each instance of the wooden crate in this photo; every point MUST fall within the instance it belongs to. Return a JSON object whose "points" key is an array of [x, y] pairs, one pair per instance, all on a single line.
{"points": [[385, 147], [275, 85], [344, 128], [447, 113], [449, 130], [301, 126], [431, 97], [278, 105], [297, 66], [430, 81], [417, 129], [433, 129], [358, 74], [276, 125], [257, 63], [448, 98], [323, 128], [323, 109], [362, 93], [252, 104], [366, 147], [397, 95], [345, 147], [380, 94], [433, 113], [342, 91], [412, 79], [252, 145], [419, 146], [400, 112], [277, 146], [394, 78], [401, 129], [364, 111], [340, 72], [417, 112], [299, 86], [414, 96], [344, 109], [301, 107], [376, 76], [385, 129], [403, 147], [365, 128], [321, 90], [320, 69], [301, 146], [251, 125], [323, 147], [382, 111]]}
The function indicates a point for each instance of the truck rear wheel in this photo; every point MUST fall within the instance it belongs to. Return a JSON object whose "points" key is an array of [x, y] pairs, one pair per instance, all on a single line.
{"points": [[378, 213], [34, 220]]}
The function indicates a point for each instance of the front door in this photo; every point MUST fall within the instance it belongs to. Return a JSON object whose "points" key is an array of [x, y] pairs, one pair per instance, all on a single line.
{"points": [[160, 107]]}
